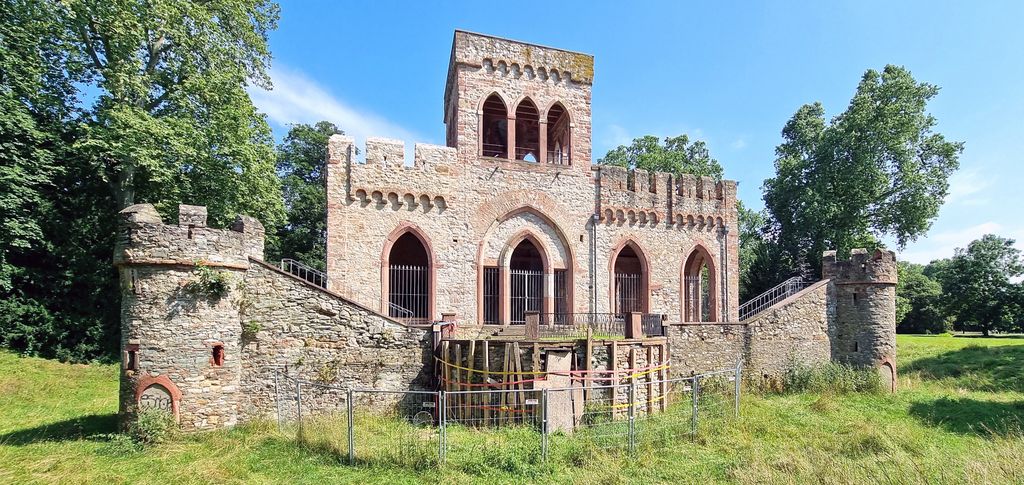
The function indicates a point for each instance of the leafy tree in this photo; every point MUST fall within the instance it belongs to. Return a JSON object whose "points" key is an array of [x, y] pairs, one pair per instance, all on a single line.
{"points": [[762, 264], [301, 164], [919, 302], [978, 284], [102, 104], [875, 170], [677, 155], [171, 120]]}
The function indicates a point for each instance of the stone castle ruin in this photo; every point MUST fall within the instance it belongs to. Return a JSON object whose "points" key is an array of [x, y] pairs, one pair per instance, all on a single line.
{"points": [[506, 252]]}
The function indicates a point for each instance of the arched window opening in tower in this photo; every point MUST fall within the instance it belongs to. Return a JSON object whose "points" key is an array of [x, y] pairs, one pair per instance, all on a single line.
{"points": [[495, 128], [409, 280], [558, 135], [629, 282], [526, 269], [699, 288], [527, 135]]}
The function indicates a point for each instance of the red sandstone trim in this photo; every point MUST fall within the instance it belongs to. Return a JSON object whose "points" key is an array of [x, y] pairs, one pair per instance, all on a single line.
{"points": [[145, 382], [645, 280], [690, 264], [403, 228]]}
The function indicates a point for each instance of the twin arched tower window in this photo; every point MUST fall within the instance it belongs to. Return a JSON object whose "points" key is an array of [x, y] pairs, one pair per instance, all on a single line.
{"points": [[527, 135]]}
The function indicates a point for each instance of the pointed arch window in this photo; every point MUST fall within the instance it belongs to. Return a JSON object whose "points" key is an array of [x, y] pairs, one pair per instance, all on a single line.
{"points": [[527, 134], [494, 129], [409, 281], [700, 302], [629, 281], [558, 133], [526, 276]]}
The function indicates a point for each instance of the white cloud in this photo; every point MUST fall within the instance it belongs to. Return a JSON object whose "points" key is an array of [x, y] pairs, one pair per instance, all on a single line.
{"points": [[298, 99], [942, 244], [964, 185], [738, 144]]}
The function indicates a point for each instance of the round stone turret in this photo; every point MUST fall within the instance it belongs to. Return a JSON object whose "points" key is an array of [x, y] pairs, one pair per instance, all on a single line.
{"points": [[180, 324], [862, 310]]}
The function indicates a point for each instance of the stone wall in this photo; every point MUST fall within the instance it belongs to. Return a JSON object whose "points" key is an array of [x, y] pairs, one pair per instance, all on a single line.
{"points": [[310, 334], [793, 331], [211, 358]]}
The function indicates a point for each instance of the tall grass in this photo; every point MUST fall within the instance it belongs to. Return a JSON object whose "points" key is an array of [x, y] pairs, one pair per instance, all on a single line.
{"points": [[955, 420], [825, 378]]}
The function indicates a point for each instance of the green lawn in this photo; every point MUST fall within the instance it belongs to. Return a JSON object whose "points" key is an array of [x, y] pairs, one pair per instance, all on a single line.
{"points": [[956, 419]]}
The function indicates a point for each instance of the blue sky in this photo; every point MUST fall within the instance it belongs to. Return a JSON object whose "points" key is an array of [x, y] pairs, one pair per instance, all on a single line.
{"points": [[729, 73]]}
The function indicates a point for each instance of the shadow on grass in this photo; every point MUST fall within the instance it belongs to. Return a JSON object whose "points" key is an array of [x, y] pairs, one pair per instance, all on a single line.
{"points": [[971, 416], [975, 367], [67, 430]]}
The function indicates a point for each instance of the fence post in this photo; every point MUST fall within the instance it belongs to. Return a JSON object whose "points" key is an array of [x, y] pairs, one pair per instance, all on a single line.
{"points": [[277, 397], [442, 429], [351, 430], [739, 371], [298, 400], [632, 417], [544, 425], [693, 418]]}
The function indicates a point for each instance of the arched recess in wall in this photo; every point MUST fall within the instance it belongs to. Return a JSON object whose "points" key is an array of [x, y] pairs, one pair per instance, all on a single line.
{"points": [[699, 287], [527, 265], [559, 135], [494, 282], [494, 127], [527, 134], [408, 276], [630, 274]]}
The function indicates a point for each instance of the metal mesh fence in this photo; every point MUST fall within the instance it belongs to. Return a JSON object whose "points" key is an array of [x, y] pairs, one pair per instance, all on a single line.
{"points": [[419, 429]]}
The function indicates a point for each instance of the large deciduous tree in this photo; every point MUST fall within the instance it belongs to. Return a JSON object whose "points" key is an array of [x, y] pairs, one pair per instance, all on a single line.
{"points": [[978, 282], [920, 304], [107, 103], [677, 155], [876, 170], [301, 163], [171, 120]]}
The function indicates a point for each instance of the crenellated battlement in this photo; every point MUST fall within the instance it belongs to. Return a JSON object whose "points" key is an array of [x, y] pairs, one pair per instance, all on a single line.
{"points": [[862, 267], [520, 59], [680, 200], [143, 238]]}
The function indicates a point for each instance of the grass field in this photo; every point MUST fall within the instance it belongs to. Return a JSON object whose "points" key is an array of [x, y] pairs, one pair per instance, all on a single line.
{"points": [[956, 419]]}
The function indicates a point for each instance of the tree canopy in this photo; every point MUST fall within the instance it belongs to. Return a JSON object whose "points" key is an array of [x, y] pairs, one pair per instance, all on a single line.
{"points": [[108, 103], [979, 286], [301, 164], [876, 170], [677, 155]]}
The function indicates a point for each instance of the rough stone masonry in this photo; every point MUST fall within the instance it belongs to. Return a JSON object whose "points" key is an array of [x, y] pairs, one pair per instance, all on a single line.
{"points": [[509, 221]]}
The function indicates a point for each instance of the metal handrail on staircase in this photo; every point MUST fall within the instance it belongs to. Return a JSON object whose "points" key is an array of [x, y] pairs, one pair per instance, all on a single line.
{"points": [[302, 271], [765, 300]]}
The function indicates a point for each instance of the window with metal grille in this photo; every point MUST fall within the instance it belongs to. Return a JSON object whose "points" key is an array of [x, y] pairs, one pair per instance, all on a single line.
{"points": [[527, 293], [491, 294], [409, 280], [526, 276], [627, 293], [561, 297], [627, 282], [408, 292]]}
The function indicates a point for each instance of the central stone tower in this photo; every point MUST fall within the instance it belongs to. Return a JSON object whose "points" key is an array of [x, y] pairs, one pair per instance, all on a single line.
{"points": [[516, 101]]}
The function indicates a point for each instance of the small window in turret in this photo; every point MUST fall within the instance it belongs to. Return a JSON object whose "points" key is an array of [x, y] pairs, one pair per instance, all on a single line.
{"points": [[855, 298], [218, 356], [856, 346], [131, 360]]}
